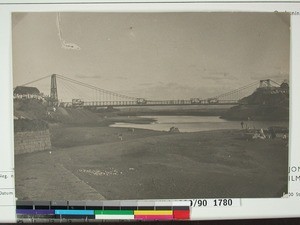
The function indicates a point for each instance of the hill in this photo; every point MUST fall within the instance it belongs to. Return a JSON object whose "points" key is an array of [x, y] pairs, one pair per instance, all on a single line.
{"points": [[266, 103], [33, 114]]}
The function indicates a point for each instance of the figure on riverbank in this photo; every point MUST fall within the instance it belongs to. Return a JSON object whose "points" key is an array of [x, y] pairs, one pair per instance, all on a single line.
{"points": [[120, 137]]}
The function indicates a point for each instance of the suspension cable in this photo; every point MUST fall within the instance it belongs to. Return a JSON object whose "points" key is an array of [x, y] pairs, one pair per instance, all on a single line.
{"points": [[275, 82], [237, 90], [35, 80], [94, 87]]}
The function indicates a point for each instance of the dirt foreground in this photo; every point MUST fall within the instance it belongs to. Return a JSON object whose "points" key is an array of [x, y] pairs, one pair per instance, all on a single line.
{"points": [[118, 163]]}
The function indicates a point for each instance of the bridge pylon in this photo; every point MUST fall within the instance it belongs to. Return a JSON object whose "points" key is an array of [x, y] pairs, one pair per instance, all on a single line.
{"points": [[265, 83], [53, 92]]}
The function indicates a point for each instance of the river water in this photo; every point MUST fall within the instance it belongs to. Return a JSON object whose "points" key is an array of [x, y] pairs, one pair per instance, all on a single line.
{"points": [[197, 123]]}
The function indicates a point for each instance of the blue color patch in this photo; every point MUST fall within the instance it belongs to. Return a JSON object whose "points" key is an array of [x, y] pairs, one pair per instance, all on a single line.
{"points": [[74, 212]]}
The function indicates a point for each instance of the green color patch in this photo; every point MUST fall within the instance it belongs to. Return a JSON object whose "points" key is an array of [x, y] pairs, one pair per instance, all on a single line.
{"points": [[114, 212]]}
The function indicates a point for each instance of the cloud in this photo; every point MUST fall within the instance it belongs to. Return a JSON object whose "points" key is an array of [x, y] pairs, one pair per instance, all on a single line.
{"points": [[121, 78], [275, 76], [89, 76], [172, 90], [146, 84], [218, 76]]}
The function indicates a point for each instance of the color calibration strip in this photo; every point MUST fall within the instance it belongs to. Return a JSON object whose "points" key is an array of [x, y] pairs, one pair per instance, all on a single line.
{"points": [[106, 210]]}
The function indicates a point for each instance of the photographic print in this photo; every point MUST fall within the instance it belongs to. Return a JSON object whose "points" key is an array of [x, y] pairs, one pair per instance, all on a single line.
{"points": [[173, 105]]}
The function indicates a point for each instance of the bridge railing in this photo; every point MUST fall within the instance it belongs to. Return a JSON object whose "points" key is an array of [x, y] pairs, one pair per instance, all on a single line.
{"points": [[168, 102], [151, 103], [109, 103]]}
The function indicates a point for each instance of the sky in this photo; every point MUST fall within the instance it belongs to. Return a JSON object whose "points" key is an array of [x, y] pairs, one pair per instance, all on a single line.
{"points": [[152, 55]]}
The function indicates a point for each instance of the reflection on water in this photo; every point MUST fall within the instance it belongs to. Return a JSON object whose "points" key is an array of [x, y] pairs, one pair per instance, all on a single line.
{"points": [[197, 123]]}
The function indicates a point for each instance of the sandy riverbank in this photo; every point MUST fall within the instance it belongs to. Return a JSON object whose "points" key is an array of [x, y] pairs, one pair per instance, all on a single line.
{"points": [[97, 164]]}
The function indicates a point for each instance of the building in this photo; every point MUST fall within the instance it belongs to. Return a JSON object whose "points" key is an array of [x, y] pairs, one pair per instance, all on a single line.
{"points": [[23, 92]]}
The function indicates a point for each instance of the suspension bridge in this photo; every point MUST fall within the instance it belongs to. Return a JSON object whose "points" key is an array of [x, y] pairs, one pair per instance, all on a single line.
{"points": [[94, 96]]}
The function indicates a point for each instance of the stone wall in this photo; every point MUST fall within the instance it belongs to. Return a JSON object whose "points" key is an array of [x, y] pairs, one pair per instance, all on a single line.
{"points": [[32, 141]]}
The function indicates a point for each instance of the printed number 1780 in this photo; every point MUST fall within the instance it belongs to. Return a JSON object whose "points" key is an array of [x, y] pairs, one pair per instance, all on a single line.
{"points": [[220, 202]]}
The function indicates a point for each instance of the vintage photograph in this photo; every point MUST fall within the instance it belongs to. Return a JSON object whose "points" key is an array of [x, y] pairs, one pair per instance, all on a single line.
{"points": [[175, 105]]}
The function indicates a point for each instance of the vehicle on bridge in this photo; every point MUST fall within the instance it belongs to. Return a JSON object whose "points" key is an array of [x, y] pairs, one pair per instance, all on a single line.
{"points": [[141, 101], [195, 101], [77, 102], [212, 100]]}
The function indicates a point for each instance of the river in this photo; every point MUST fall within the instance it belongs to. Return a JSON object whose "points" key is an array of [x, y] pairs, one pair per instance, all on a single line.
{"points": [[197, 123]]}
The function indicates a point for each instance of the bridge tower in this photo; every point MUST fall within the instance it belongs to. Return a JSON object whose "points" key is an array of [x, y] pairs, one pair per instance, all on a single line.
{"points": [[53, 92]]}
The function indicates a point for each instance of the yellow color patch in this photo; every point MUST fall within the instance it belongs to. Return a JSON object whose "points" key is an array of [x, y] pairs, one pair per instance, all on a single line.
{"points": [[153, 212]]}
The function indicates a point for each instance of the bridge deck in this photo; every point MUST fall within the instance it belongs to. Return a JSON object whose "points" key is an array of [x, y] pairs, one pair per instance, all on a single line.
{"points": [[148, 103]]}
